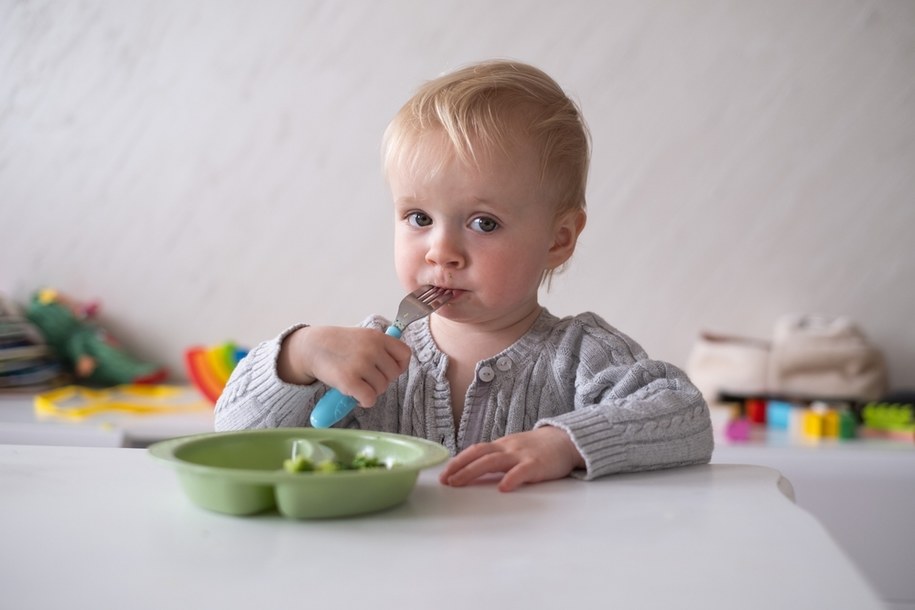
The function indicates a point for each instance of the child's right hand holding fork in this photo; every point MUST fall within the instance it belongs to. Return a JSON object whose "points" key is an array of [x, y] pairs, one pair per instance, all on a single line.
{"points": [[360, 362]]}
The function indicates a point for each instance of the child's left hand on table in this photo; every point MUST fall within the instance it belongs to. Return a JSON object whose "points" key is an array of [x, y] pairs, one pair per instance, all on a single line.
{"points": [[542, 454]]}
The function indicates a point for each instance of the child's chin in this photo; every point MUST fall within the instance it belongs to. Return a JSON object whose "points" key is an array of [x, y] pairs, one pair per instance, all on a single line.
{"points": [[452, 311]]}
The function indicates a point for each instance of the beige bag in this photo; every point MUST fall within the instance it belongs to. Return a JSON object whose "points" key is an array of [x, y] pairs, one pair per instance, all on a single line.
{"points": [[810, 357], [825, 357], [726, 364]]}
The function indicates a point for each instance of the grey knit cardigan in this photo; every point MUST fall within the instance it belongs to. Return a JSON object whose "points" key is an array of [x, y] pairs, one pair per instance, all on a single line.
{"points": [[623, 411]]}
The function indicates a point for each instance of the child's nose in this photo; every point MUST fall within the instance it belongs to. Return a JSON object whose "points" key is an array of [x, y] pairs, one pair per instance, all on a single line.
{"points": [[445, 249]]}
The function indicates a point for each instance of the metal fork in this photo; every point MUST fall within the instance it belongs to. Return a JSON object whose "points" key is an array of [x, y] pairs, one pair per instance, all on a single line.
{"points": [[334, 405]]}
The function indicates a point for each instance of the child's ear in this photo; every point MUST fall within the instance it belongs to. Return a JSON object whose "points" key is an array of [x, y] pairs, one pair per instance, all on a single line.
{"points": [[565, 235]]}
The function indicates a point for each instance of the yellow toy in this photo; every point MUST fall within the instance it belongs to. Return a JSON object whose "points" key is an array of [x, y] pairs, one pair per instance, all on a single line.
{"points": [[76, 403]]}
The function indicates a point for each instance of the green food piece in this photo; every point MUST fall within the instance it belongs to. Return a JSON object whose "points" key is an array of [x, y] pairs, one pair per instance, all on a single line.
{"points": [[328, 466], [298, 464], [362, 461]]}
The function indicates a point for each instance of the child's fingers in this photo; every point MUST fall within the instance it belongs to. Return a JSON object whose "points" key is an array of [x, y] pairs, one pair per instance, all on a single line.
{"points": [[511, 483], [372, 384], [475, 462], [397, 358], [387, 366], [375, 381], [459, 461], [400, 352], [524, 457], [360, 363]]}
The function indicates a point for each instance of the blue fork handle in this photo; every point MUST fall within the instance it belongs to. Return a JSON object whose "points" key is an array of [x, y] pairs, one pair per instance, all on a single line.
{"points": [[335, 405], [332, 407]]}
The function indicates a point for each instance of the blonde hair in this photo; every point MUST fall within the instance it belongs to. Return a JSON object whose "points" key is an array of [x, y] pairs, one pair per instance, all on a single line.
{"points": [[488, 107]]}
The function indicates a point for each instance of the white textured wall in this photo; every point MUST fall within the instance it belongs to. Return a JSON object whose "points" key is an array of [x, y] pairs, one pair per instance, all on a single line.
{"points": [[209, 170]]}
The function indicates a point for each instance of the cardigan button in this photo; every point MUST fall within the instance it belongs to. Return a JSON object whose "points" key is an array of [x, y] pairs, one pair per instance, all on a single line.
{"points": [[486, 374], [504, 364]]}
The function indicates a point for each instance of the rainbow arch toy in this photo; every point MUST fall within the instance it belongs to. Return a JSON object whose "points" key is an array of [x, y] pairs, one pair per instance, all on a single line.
{"points": [[209, 367]]}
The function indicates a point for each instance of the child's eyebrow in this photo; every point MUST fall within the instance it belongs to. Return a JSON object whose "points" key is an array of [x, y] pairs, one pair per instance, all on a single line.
{"points": [[487, 201], [407, 200]]}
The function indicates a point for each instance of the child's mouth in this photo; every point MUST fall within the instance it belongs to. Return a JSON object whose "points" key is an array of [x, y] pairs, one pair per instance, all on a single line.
{"points": [[455, 294]]}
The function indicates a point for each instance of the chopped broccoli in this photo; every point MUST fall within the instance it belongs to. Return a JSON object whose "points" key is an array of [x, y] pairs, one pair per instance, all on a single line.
{"points": [[298, 464], [361, 461], [329, 466]]}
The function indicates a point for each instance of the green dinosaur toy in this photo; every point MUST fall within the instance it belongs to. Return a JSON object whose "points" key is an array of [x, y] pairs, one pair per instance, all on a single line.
{"points": [[84, 347]]}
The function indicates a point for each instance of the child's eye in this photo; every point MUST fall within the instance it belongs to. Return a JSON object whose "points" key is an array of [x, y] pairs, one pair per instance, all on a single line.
{"points": [[418, 219], [484, 224]]}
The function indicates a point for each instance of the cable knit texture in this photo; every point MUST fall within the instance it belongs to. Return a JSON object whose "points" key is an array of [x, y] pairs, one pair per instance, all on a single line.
{"points": [[623, 411]]}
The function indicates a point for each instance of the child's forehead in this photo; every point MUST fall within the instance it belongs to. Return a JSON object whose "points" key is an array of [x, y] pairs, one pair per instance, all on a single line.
{"points": [[427, 152], [431, 170]]}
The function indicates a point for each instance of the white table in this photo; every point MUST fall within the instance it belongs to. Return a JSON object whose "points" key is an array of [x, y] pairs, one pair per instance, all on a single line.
{"points": [[862, 491], [110, 528]]}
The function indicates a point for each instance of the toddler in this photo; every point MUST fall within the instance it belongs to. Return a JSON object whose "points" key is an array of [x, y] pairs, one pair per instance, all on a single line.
{"points": [[487, 169]]}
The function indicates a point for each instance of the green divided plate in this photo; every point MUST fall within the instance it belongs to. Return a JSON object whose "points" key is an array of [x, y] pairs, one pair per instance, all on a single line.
{"points": [[241, 473]]}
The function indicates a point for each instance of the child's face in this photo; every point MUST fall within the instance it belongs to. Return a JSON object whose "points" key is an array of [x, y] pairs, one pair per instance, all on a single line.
{"points": [[486, 233]]}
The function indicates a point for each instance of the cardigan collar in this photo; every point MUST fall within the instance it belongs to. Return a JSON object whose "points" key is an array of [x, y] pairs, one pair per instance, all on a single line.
{"points": [[523, 349]]}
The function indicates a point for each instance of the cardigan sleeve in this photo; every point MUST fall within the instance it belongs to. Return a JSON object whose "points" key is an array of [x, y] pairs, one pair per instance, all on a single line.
{"points": [[630, 413], [256, 397]]}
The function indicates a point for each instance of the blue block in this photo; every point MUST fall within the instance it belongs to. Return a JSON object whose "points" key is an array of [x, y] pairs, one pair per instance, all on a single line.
{"points": [[778, 414]]}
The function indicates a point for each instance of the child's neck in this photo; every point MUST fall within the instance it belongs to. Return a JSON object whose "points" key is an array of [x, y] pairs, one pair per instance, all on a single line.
{"points": [[461, 340], [468, 344]]}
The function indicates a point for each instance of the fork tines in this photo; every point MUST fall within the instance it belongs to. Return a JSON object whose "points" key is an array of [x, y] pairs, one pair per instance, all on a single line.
{"points": [[430, 294]]}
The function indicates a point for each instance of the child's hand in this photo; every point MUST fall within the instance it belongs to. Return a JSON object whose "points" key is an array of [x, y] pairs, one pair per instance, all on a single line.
{"points": [[525, 457], [360, 362]]}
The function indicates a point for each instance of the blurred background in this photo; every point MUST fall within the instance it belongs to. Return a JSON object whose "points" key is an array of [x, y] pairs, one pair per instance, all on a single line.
{"points": [[209, 171]]}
